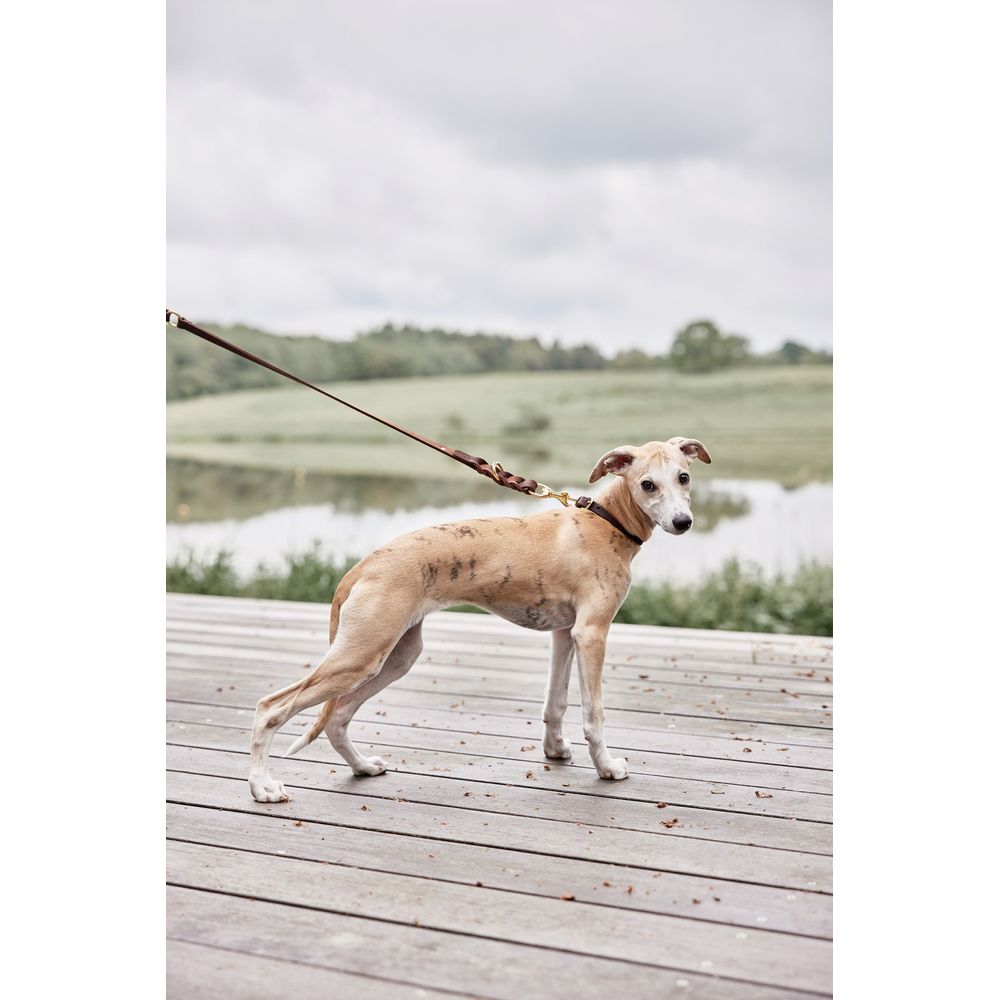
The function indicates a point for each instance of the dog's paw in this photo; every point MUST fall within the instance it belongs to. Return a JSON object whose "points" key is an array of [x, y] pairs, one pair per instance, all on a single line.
{"points": [[558, 748], [617, 771], [268, 791], [370, 767]]}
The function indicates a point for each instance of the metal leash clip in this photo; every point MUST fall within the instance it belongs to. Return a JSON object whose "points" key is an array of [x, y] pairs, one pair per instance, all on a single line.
{"points": [[544, 492]]}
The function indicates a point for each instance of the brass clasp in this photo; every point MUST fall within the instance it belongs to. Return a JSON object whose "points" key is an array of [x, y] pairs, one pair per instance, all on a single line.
{"points": [[544, 492]]}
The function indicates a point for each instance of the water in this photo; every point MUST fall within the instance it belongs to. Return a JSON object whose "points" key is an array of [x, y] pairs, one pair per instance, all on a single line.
{"points": [[262, 515]]}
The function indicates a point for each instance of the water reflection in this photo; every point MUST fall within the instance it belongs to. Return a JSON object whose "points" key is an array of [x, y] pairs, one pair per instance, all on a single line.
{"points": [[260, 515], [198, 491]]}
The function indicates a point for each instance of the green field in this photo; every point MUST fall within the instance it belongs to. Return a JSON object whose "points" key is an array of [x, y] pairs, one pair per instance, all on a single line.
{"points": [[758, 423]]}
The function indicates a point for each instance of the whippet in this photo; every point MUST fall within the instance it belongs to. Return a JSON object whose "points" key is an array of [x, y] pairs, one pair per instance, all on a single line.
{"points": [[561, 571]]}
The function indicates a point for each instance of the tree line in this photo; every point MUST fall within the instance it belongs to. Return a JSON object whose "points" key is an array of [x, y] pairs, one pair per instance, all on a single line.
{"points": [[195, 368]]}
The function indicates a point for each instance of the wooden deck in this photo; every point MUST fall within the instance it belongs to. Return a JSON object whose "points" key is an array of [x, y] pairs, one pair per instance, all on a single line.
{"points": [[477, 868]]}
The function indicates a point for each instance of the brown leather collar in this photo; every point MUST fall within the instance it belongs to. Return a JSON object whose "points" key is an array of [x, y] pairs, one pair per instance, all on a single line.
{"points": [[595, 508]]}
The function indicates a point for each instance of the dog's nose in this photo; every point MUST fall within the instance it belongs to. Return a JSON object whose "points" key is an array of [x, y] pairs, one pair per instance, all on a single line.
{"points": [[682, 522]]}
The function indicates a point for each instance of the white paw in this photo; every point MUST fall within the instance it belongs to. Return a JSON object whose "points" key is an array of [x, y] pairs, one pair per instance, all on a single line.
{"points": [[371, 767], [268, 791], [558, 748], [617, 771]]}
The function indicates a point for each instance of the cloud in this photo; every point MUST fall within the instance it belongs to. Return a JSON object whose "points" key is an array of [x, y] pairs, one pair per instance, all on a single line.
{"points": [[588, 171]]}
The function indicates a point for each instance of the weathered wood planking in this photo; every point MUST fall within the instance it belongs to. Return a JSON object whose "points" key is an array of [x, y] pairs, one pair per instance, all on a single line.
{"points": [[747, 704], [668, 942], [491, 820], [446, 876], [411, 732], [430, 958], [560, 777], [500, 654], [193, 680], [716, 900], [199, 972]]}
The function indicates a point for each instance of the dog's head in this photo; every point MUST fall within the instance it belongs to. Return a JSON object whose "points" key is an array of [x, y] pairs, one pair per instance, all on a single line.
{"points": [[656, 475]]}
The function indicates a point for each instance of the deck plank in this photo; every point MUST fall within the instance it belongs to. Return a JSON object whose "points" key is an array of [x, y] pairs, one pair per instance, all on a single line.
{"points": [[429, 958], [713, 899], [446, 876], [576, 927]]}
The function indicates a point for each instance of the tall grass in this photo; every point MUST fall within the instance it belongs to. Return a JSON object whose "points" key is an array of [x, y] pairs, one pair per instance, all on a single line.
{"points": [[737, 597]]}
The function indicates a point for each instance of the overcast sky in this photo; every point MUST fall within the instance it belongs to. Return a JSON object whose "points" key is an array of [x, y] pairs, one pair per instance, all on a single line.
{"points": [[592, 171]]}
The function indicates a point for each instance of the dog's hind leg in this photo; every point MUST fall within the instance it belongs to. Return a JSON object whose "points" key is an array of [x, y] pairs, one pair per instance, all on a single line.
{"points": [[399, 661], [556, 696], [273, 711], [369, 630]]}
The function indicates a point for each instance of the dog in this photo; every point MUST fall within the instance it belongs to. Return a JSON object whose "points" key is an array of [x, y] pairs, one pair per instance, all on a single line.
{"points": [[562, 571]]}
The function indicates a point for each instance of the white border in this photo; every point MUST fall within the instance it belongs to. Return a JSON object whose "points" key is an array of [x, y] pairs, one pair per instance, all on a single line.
{"points": [[83, 227], [915, 285], [915, 317]]}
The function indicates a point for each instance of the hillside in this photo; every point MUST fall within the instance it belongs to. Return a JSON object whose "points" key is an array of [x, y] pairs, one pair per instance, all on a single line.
{"points": [[758, 423]]}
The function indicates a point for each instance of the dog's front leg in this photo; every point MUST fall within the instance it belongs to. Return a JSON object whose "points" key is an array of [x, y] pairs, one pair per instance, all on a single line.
{"points": [[590, 640], [556, 745]]}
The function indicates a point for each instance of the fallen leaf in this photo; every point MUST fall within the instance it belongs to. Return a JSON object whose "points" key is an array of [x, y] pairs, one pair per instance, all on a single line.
{"points": [[567, 896], [670, 822], [661, 805], [764, 795]]}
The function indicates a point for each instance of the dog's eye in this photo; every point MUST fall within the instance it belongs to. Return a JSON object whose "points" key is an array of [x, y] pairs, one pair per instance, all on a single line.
{"points": [[648, 485], [684, 478]]}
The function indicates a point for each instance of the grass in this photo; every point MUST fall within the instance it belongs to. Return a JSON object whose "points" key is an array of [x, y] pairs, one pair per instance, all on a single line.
{"points": [[758, 423], [737, 597]]}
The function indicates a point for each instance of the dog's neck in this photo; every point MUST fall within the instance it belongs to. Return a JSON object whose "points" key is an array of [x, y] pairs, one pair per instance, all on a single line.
{"points": [[617, 500]]}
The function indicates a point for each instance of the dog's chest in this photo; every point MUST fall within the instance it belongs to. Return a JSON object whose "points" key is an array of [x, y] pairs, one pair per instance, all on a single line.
{"points": [[543, 617]]}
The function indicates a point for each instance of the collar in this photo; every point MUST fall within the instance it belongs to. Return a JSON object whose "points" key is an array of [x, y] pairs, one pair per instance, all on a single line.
{"points": [[595, 508]]}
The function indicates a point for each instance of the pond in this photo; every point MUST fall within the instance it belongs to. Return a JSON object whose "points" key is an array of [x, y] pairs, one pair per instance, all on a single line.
{"points": [[260, 515]]}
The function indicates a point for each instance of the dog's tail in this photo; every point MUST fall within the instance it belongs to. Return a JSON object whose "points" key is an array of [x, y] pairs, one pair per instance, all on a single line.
{"points": [[313, 731], [341, 595]]}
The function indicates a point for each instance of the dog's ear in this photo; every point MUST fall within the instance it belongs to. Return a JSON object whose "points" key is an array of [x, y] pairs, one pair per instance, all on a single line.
{"points": [[692, 448], [616, 462]]}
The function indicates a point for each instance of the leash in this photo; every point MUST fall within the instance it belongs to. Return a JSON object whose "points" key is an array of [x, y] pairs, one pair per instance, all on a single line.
{"points": [[494, 470]]}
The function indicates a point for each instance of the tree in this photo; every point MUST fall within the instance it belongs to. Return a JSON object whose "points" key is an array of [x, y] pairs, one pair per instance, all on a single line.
{"points": [[701, 347]]}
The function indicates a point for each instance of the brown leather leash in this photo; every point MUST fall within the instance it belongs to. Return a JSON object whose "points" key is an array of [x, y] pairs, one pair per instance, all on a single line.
{"points": [[495, 471]]}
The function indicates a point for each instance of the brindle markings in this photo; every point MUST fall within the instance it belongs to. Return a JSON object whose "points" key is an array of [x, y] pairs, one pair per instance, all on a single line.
{"points": [[430, 571], [472, 568], [465, 531], [456, 565]]}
